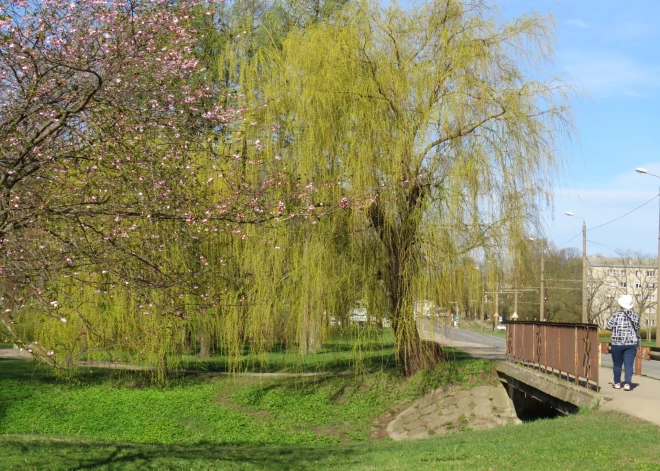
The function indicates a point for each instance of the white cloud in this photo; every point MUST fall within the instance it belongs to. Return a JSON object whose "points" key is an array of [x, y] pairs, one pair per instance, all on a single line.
{"points": [[576, 22], [607, 73]]}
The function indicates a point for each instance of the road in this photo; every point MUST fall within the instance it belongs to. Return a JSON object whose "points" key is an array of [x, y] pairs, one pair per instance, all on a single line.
{"points": [[491, 347]]}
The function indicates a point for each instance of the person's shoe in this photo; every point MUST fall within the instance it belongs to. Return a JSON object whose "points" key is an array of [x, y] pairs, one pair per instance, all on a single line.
{"points": [[626, 387], [616, 385]]}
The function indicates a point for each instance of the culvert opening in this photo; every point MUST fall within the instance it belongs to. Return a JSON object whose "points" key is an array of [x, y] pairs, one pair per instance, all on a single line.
{"points": [[529, 408]]}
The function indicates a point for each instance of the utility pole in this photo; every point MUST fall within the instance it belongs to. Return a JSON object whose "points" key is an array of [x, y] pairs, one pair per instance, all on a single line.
{"points": [[542, 313], [483, 296], [584, 272], [657, 291], [515, 301], [496, 317], [657, 275], [481, 313], [584, 265]]}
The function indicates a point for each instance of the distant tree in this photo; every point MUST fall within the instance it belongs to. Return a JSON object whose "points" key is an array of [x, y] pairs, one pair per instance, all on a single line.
{"points": [[601, 296], [563, 273]]}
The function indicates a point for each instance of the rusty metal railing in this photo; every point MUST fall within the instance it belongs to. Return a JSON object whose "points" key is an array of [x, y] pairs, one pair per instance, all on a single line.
{"points": [[643, 353], [567, 350]]}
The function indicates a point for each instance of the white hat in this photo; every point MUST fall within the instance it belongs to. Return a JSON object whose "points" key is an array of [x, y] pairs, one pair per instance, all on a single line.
{"points": [[626, 302]]}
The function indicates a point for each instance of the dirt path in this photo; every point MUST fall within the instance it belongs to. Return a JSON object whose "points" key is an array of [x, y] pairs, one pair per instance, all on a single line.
{"points": [[14, 353]]}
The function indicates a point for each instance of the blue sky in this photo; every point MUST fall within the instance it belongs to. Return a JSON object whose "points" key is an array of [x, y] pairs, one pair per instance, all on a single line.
{"points": [[611, 48]]}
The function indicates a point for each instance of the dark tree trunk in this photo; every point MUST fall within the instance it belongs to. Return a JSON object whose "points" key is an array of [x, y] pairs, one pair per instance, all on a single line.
{"points": [[204, 344], [399, 240]]}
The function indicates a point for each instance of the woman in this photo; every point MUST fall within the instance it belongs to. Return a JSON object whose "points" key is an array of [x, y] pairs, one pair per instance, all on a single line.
{"points": [[625, 340]]}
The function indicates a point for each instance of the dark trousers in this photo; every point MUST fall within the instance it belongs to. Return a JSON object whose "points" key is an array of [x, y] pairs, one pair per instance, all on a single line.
{"points": [[623, 355]]}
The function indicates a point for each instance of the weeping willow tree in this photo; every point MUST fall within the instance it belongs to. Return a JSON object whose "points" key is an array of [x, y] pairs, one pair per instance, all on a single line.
{"points": [[426, 137]]}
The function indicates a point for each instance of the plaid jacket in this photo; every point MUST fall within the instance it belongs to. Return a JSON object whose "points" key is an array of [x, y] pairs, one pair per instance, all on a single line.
{"points": [[624, 326]]}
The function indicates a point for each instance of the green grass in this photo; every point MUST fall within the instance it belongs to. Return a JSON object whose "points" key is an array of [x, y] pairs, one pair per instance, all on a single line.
{"points": [[645, 343], [367, 349], [123, 406], [585, 442], [105, 419], [347, 349]]}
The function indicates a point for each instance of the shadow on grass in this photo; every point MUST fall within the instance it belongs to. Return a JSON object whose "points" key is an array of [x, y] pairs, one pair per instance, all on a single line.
{"points": [[31, 372], [453, 354], [46, 453], [329, 361]]}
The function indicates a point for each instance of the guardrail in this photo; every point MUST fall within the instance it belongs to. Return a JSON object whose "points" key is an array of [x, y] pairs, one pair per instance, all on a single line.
{"points": [[643, 353], [567, 350]]}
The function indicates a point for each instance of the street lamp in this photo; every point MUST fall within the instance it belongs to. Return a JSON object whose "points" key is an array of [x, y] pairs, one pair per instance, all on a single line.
{"points": [[584, 266], [497, 301], [657, 274]]}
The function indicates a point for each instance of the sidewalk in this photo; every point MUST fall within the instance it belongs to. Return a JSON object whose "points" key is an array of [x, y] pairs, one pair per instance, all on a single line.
{"points": [[643, 401]]}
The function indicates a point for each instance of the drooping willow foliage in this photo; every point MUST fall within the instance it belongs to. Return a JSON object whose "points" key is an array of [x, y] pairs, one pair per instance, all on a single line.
{"points": [[429, 129], [393, 148]]}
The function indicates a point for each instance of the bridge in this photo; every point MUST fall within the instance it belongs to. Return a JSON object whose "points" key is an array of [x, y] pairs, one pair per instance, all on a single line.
{"points": [[556, 366]]}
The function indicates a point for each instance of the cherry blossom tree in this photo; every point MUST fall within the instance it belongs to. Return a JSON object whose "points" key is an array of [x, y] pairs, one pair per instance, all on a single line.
{"points": [[126, 180], [109, 136]]}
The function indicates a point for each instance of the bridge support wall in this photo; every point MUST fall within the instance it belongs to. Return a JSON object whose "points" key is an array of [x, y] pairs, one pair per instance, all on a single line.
{"points": [[524, 384]]}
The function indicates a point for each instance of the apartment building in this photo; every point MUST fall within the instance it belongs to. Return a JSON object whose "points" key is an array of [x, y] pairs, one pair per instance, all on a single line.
{"points": [[609, 277]]}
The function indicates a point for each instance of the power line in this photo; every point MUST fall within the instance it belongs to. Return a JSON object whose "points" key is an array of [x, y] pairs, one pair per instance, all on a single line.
{"points": [[606, 247], [609, 222], [570, 239], [629, 212]]}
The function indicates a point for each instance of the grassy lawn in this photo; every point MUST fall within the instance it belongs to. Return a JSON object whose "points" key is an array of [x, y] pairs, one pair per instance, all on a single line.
{"points": [[350, 348], [122, 406], [590, 441], [645, 343], [104, 419]]}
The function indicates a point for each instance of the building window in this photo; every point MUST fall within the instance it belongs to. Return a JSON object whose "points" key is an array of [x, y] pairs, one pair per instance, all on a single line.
{"points": [[638, 285], [623, 272], [651, 297], [652, 285], [623, 284], [650, 272], [612, 284], [611, 272], [638, 273], [648, 310]]}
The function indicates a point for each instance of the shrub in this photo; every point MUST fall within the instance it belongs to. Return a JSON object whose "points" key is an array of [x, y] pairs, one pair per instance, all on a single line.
{"points": [[643, 333]]}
